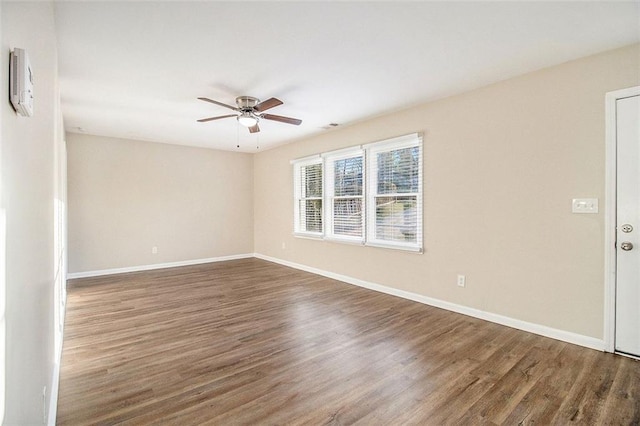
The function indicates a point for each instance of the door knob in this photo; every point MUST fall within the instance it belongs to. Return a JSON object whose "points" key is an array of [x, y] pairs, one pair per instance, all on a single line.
{"points": [[626, 246]]}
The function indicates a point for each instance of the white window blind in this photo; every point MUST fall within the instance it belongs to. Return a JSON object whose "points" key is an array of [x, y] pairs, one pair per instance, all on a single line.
{"points": [[394, 188], [344, 210], [308, 197]]}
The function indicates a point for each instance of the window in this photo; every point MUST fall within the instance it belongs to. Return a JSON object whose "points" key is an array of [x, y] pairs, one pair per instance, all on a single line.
{"points": [[372, 194], [345, 195], [395, 193], [308, 193]]}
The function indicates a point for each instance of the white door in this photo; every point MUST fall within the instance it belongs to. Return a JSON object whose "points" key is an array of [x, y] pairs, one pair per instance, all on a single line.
{"points": [[627, 321]]}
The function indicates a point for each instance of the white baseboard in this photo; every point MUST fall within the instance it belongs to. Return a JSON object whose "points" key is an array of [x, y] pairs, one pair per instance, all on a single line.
{"points": [[73, 275], [542, 330], [52, 412], [53, 394]]}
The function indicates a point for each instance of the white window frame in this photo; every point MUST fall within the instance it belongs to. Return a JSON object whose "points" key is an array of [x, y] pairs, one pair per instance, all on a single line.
{"points": [[298, 195], [330, 197], [402, 142], [369, 153]]}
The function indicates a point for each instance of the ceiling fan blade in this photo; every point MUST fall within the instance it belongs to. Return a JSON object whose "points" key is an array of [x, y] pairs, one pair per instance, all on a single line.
{"points": [[269, 103], [282, 119], [218, 103], [202, 120], [254, 129]]}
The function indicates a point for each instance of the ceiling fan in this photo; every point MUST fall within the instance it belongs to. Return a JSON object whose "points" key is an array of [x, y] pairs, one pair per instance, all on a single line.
{"points": [[250, 110]]}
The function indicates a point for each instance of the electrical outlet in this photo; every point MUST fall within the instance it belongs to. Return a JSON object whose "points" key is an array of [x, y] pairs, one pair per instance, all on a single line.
{"points": [[154, 250], [461, 280], [284, 246]]}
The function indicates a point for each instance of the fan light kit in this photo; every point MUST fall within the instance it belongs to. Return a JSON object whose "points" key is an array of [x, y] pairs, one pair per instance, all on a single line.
{"points": [[250, 110], [247, 120]]}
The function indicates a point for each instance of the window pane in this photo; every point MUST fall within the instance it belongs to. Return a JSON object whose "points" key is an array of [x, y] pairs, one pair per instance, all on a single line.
{"points": [[311, 215], [308, 192], [396, 219], [312, 180], [398, 170], [347, 217], [348, 176]]}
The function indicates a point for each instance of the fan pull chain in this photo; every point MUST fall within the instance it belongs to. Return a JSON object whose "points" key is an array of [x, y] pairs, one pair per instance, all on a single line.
{"points": [[237, 135]]}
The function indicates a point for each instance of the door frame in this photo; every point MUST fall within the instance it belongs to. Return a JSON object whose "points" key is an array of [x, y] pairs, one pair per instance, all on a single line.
{"points": [[610, 213]]}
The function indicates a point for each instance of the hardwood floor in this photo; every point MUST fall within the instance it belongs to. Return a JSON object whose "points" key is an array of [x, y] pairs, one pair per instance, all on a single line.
{"points": [[251, 342]]}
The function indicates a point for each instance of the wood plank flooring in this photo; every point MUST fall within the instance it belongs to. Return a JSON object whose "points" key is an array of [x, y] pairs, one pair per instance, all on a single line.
{"points": [[251, 342]]}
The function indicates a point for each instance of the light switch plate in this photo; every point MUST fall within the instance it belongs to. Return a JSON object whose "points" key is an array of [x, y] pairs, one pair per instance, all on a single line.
{"points": [[584, 205]]}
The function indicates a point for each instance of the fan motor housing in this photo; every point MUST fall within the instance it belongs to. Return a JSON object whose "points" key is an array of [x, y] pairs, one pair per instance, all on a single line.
{"points": [[246, 102]]}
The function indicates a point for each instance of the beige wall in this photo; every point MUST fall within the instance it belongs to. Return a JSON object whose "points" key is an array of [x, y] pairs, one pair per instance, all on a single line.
{"points": [[501, 165], [32, 157], [127, 196]]}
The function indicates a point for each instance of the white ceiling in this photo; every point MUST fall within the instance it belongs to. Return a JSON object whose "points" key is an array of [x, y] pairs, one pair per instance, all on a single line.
{"points": [[134, 70]]}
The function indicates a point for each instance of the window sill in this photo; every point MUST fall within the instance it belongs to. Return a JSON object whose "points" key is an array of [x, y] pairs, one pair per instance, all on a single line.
{"points": [[353, 242], [320, 237], [411, 249], [308, 236]]}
